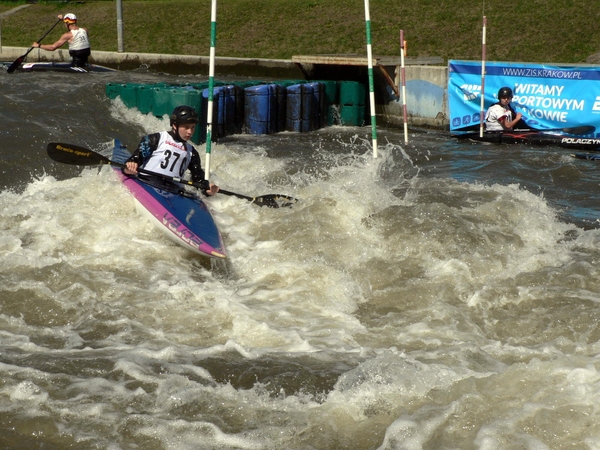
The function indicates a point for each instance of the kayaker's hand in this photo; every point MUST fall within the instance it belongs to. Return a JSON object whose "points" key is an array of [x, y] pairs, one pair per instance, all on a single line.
{"points": [[209, 188], [130, 168], [213, 189]]}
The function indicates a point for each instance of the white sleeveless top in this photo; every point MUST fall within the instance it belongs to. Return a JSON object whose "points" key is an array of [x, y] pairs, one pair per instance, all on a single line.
{"points": [[494, 115], [170, 158], [80, 40]]}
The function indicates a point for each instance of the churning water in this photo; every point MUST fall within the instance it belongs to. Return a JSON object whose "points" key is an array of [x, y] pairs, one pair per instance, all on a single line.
{"points": [[442, 296]]}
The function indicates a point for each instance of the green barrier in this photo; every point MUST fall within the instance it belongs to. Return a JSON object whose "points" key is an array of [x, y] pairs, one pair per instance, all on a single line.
{"points": [[193, 97], [351, 93], [288, 83], [200, 86], [162, 101], [145, 98], [330, 91], [113, 90], [128, 94], [330, 101], [352, 115]]}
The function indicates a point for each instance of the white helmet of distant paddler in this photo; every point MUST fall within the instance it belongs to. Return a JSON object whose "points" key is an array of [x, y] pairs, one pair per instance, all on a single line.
{"points": [[70, 18]]}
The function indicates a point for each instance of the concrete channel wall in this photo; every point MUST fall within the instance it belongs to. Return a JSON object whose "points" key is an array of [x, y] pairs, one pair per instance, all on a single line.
{"points": [[426, 86], [426, 99]]}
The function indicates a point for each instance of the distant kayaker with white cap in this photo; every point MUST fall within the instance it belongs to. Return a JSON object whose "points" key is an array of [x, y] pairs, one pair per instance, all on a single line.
{"points": [[79, 42]]}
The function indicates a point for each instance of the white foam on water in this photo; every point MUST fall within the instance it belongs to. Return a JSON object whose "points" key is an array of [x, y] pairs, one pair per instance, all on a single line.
{"points": [[386, 309]]}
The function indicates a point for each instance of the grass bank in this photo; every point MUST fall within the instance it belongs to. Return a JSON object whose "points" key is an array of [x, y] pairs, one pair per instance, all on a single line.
{"points": [[560, 31]]}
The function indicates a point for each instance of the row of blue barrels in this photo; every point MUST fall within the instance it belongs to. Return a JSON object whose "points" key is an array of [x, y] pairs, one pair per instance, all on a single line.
{"points": [[252, 107]]}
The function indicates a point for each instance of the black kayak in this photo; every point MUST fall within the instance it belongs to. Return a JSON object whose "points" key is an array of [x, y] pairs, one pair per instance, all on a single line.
{"points": [[62, 67], [576, 137]]}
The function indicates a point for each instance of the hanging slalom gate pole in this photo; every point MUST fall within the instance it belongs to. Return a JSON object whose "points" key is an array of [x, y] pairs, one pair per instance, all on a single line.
{"points": [[371, 82], [404, 112], [211, 86], [483, 56]]}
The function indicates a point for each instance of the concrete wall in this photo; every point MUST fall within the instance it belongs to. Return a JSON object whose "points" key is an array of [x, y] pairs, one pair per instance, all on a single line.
{"points": [[426, 86], [426, 99]]}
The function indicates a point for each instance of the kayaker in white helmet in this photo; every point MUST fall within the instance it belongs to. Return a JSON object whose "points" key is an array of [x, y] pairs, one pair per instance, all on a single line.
{"points": [[77, 37]]}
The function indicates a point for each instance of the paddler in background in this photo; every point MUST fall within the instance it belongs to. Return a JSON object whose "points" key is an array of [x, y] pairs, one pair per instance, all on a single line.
{"points": [[79, 42], [169, 152], [501, 116]]}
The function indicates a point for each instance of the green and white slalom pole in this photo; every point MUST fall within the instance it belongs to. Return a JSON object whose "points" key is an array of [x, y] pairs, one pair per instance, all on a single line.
{"points": [[211, 86], [371, 82]]}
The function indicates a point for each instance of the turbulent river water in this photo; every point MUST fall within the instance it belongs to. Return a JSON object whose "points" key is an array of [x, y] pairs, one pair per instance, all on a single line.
{"points": [[444, 295]]}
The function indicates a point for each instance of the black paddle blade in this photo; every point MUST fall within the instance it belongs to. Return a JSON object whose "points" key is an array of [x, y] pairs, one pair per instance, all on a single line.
{"points": [[16, 64], [275, 201], [20, 59], [73, 154]]}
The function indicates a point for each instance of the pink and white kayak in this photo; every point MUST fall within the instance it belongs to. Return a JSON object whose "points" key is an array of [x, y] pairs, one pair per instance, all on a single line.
{"points": [[181, 215]]}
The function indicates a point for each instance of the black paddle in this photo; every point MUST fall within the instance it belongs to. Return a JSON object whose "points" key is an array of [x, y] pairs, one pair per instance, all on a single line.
{"points": [[80, 156], [584, 129], [20, 59]]}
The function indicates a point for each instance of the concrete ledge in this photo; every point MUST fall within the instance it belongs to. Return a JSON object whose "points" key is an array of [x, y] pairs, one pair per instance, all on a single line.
{"points": [[177, 64]]}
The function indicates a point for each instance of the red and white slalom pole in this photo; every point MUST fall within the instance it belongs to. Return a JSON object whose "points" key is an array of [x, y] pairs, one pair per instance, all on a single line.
{"points": [[371, 81], [403, 76], [483, 56]]}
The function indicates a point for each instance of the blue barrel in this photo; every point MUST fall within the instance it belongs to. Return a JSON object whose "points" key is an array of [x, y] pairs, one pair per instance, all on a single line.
{"points": [[299, 108], [264, 109], [238, 93], [229, 109], [249, 83], [281, 99], [318, 105], [223, 112]]}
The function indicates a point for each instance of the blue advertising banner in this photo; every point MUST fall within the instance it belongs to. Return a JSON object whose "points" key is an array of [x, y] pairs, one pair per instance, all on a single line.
{"points": [[547, 96]]}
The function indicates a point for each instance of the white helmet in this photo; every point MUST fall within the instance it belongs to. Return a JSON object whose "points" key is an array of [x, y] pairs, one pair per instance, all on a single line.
{"points": [[70, 18]]}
